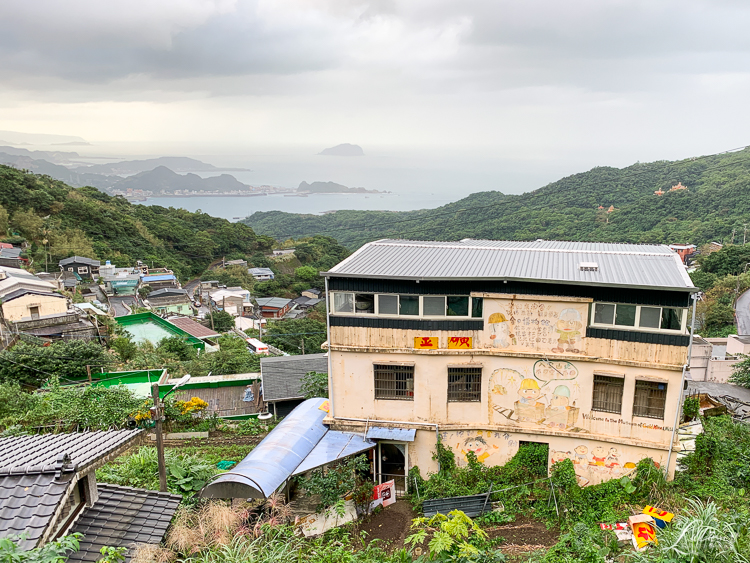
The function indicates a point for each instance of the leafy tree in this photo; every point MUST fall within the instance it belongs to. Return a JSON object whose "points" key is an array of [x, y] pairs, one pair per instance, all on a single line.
{"points": [[730, 260], [31, 364], [222, 321], [315, 384], [741, 372], [144, 290], [28, 224], [233, 276], [177, 347], [288, 335], [306, 273], [232, 357], [124, 347], [703, 280], [3, 221], [70, 242]]}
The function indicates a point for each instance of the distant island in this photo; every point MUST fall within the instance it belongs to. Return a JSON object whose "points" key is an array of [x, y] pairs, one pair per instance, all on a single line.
{"points": [[175, 163], [333, 188], [345, 149]]}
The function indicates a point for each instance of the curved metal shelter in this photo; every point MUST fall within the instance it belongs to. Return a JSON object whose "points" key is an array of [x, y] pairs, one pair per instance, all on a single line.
{"points": [[296, 443]]}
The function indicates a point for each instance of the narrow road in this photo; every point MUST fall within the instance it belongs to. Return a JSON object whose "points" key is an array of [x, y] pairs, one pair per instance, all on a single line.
{"points": [[117, 303], [742, 308]]}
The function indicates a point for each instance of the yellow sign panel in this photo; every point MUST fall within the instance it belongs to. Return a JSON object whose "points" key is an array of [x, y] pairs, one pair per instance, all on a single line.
{"points": [[325, 406], [658, 513], [425, 342], [644, 534], [460, 342]]}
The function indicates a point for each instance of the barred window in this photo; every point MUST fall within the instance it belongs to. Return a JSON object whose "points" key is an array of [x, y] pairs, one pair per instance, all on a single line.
{"points": [[607, 394], [394, 382], [650, 399], [464, 384]]}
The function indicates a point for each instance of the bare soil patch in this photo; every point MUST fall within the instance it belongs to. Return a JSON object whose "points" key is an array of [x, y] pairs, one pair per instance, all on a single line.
{"points": [[391, 525]]}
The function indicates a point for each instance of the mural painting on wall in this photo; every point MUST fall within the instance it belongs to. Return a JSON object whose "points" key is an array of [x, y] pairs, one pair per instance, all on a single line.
{"points": [[540, 326], [598, 462], [546, 397], [491, 448]]}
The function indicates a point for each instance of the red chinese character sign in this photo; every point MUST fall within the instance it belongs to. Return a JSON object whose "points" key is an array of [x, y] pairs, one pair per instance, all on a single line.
{"points": [[425, 342], [460, 343], [384, 494]]}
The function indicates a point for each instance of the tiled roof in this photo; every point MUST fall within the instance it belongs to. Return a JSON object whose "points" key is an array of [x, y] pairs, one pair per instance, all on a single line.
{"points": [[584, 263], [28, 503], [273, 302], [25, 291], [35, 475], [39, 454], [123, 517], [282, 375], [193, 328], [79, 260]]}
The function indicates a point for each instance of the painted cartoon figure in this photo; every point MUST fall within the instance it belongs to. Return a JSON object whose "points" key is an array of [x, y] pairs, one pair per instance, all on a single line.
{"points": [[478, 445], [581, 455], [529, 391], [568, 330], [613, 459], [599, 456], [556, 415], [501, 337]]}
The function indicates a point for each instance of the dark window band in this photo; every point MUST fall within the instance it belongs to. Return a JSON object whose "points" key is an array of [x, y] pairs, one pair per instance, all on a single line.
{"points": [[406, 324], [637, 336]]}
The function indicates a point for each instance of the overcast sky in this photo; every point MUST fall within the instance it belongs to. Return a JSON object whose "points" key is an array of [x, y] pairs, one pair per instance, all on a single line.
{"points": [[616, 81]]}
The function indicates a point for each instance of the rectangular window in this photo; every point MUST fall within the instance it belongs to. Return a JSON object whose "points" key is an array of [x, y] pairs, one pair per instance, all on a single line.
{"points": [[607, 394], [364, 303], [83, 270], [477, 306], [458, 306], [650, 399], [343, 302], [604, 314], [388, 304], [464, 384], [671, 319], [394, 382], [650, 317], [433, 306], [640, 316], [625, 315], [408, 305]]}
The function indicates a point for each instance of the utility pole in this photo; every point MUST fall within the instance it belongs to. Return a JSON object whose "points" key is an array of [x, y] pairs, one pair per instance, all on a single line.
{"points": [[157, 415], [733, 230], [159, 439], [303, 345], [744, 236]]}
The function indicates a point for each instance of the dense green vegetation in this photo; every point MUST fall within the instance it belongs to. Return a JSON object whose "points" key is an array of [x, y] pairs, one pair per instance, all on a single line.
{"points": [[716, 202], [87, 222]]}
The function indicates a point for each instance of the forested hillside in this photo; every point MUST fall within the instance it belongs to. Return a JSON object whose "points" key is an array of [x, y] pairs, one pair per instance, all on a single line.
{"points": [[716, 201], [64, 221]]}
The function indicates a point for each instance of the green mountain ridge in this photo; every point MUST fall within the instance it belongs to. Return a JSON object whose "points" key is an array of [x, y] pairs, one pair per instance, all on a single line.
{"points": [[88, 222], [716, 202]]}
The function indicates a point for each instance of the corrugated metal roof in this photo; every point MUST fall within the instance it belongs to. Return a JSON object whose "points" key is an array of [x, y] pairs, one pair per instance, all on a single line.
{"points": [[335, 445], [192, 328], [299, 441], [630, 265], [273, 302], [282, 375], [396, 434]]}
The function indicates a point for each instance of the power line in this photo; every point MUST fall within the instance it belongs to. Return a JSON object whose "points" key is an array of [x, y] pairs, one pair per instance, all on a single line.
{"points": [[487, 206]]}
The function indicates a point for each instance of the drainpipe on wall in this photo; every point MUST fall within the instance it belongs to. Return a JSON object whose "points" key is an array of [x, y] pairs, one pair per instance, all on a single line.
{"points": [[678, 411], [330, 362]]}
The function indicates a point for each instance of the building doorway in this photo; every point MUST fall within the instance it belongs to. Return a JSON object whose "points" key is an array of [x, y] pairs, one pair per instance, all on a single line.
{"points": [[392, 463], [34, 310]]}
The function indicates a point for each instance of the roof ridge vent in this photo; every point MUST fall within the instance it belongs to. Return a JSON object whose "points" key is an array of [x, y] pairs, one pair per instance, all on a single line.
{"points": [[588, 266]]}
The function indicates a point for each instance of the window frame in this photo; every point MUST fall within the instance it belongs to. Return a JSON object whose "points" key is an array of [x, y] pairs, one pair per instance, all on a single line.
{"points": [[472, 303], [652, 385], [386, 394], [459, 396], [611, 381], [83, 269], [636, 326]]}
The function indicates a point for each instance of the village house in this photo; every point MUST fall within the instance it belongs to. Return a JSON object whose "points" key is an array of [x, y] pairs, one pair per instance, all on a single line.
{"points": [[273, 307], [48, 489], [86, 268], [160, 281], [282, 380], [124, 281], [170, 300], [11, 257], [312, 293], [487, 345], [261, 274]]}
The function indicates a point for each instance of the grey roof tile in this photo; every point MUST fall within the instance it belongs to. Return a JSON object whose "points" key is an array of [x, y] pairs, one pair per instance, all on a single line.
{"points": [[123, 517], [629, 265], [282, 375]]}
